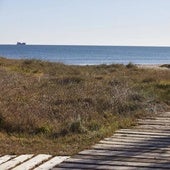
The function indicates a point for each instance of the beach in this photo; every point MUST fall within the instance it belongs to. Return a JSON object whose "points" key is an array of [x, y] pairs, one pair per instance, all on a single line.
{"points": [[152, 66]]}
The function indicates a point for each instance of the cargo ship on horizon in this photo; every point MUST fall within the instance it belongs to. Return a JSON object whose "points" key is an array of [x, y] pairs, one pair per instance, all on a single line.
{"points": [[21, 43]]}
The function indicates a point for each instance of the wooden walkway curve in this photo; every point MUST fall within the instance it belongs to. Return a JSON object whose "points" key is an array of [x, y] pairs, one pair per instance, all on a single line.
{"points": [[145, 147]]}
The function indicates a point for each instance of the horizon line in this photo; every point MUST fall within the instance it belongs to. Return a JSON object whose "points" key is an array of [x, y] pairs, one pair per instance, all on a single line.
{"points": [[107, 45]]}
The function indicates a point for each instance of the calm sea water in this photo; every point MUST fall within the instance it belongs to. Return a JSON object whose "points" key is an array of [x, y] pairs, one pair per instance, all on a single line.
{"points": [[89, 55]]}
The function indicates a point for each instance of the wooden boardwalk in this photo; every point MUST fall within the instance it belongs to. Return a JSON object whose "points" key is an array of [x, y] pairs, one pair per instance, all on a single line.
{"points": [[145, 147]]}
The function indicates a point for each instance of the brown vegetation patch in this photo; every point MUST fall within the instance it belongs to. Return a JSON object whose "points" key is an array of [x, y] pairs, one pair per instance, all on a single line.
{"points": [[73, 106]]}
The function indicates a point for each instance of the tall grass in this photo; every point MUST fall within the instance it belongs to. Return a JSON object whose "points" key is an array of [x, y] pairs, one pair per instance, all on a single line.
{"points": [[56, 100]]}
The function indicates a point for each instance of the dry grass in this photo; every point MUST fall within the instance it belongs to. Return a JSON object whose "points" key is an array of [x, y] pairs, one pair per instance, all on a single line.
{"points": [[44, 105]]}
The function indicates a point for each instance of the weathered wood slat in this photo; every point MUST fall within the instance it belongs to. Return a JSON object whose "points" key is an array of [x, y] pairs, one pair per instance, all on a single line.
{"points": [[146, 121], [135, 131], [156, 119], [52, 163], [141, 135], [108, 168], [121, 158], [126, 147], [13, 162], [119, 163], [124, 153], [103, 167], [6, 158], [152, 127], [135, 143], [137, 138], [153, 122], [66, 168], [133, 150], [32, 162], [165, 113], [162, 117]]}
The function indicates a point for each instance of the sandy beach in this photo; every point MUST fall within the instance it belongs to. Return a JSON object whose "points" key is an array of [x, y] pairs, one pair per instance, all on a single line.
{"points": [[152, 66]]}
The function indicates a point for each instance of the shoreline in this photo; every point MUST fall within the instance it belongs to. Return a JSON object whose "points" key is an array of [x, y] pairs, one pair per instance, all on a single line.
{"points": [[143, 66], [152, 66]]}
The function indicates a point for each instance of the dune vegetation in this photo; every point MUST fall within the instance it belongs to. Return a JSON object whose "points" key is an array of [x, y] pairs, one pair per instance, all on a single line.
{"points": [[60, 109]]}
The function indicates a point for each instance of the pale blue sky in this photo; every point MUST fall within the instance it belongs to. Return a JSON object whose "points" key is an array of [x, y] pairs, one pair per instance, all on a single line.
{"points": [[85, 22]]}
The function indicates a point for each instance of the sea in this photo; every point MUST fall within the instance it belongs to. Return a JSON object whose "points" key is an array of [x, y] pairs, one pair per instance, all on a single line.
{"points": [[88, 55]]}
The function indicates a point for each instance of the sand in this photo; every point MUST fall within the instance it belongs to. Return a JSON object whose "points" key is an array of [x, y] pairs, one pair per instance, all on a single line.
{"points": [[152, 66]]}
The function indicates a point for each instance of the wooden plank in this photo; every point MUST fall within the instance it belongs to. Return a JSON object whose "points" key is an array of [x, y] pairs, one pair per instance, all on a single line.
{"points": [[103, 167], [137, 138], [6, 158], [146, 130], [164, 135], [113, 138], [134, 143], [151, 135], [130, 147], [32, 162], [134, 150], [17, 160], [52, 163], [119, 163], [156, 119], [59, 168], [121, 158], [142, 136], [124, 153], [163, 116], [156, 125], [165, 113], [135, 131], [154, 122], [152, 127], [66, 168], [138, 141], [124, 157], [134, 138]]}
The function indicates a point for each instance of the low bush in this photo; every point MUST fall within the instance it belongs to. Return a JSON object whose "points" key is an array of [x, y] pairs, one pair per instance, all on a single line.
{"points": [[131, 65]]}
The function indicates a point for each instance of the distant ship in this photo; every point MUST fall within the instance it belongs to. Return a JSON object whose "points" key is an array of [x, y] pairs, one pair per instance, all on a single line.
{"points": [[21, 43]]}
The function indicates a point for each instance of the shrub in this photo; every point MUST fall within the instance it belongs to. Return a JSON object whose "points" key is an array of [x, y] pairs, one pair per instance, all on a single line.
{"points": [[94, 125], [149, 80], [164, 85], [2, 121], [44, 129], [76, 125], [166, 65], [131, 65], [67, 80]]}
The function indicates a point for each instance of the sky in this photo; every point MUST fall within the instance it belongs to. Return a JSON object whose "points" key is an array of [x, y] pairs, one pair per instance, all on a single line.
{"points": [[85, 22]]}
